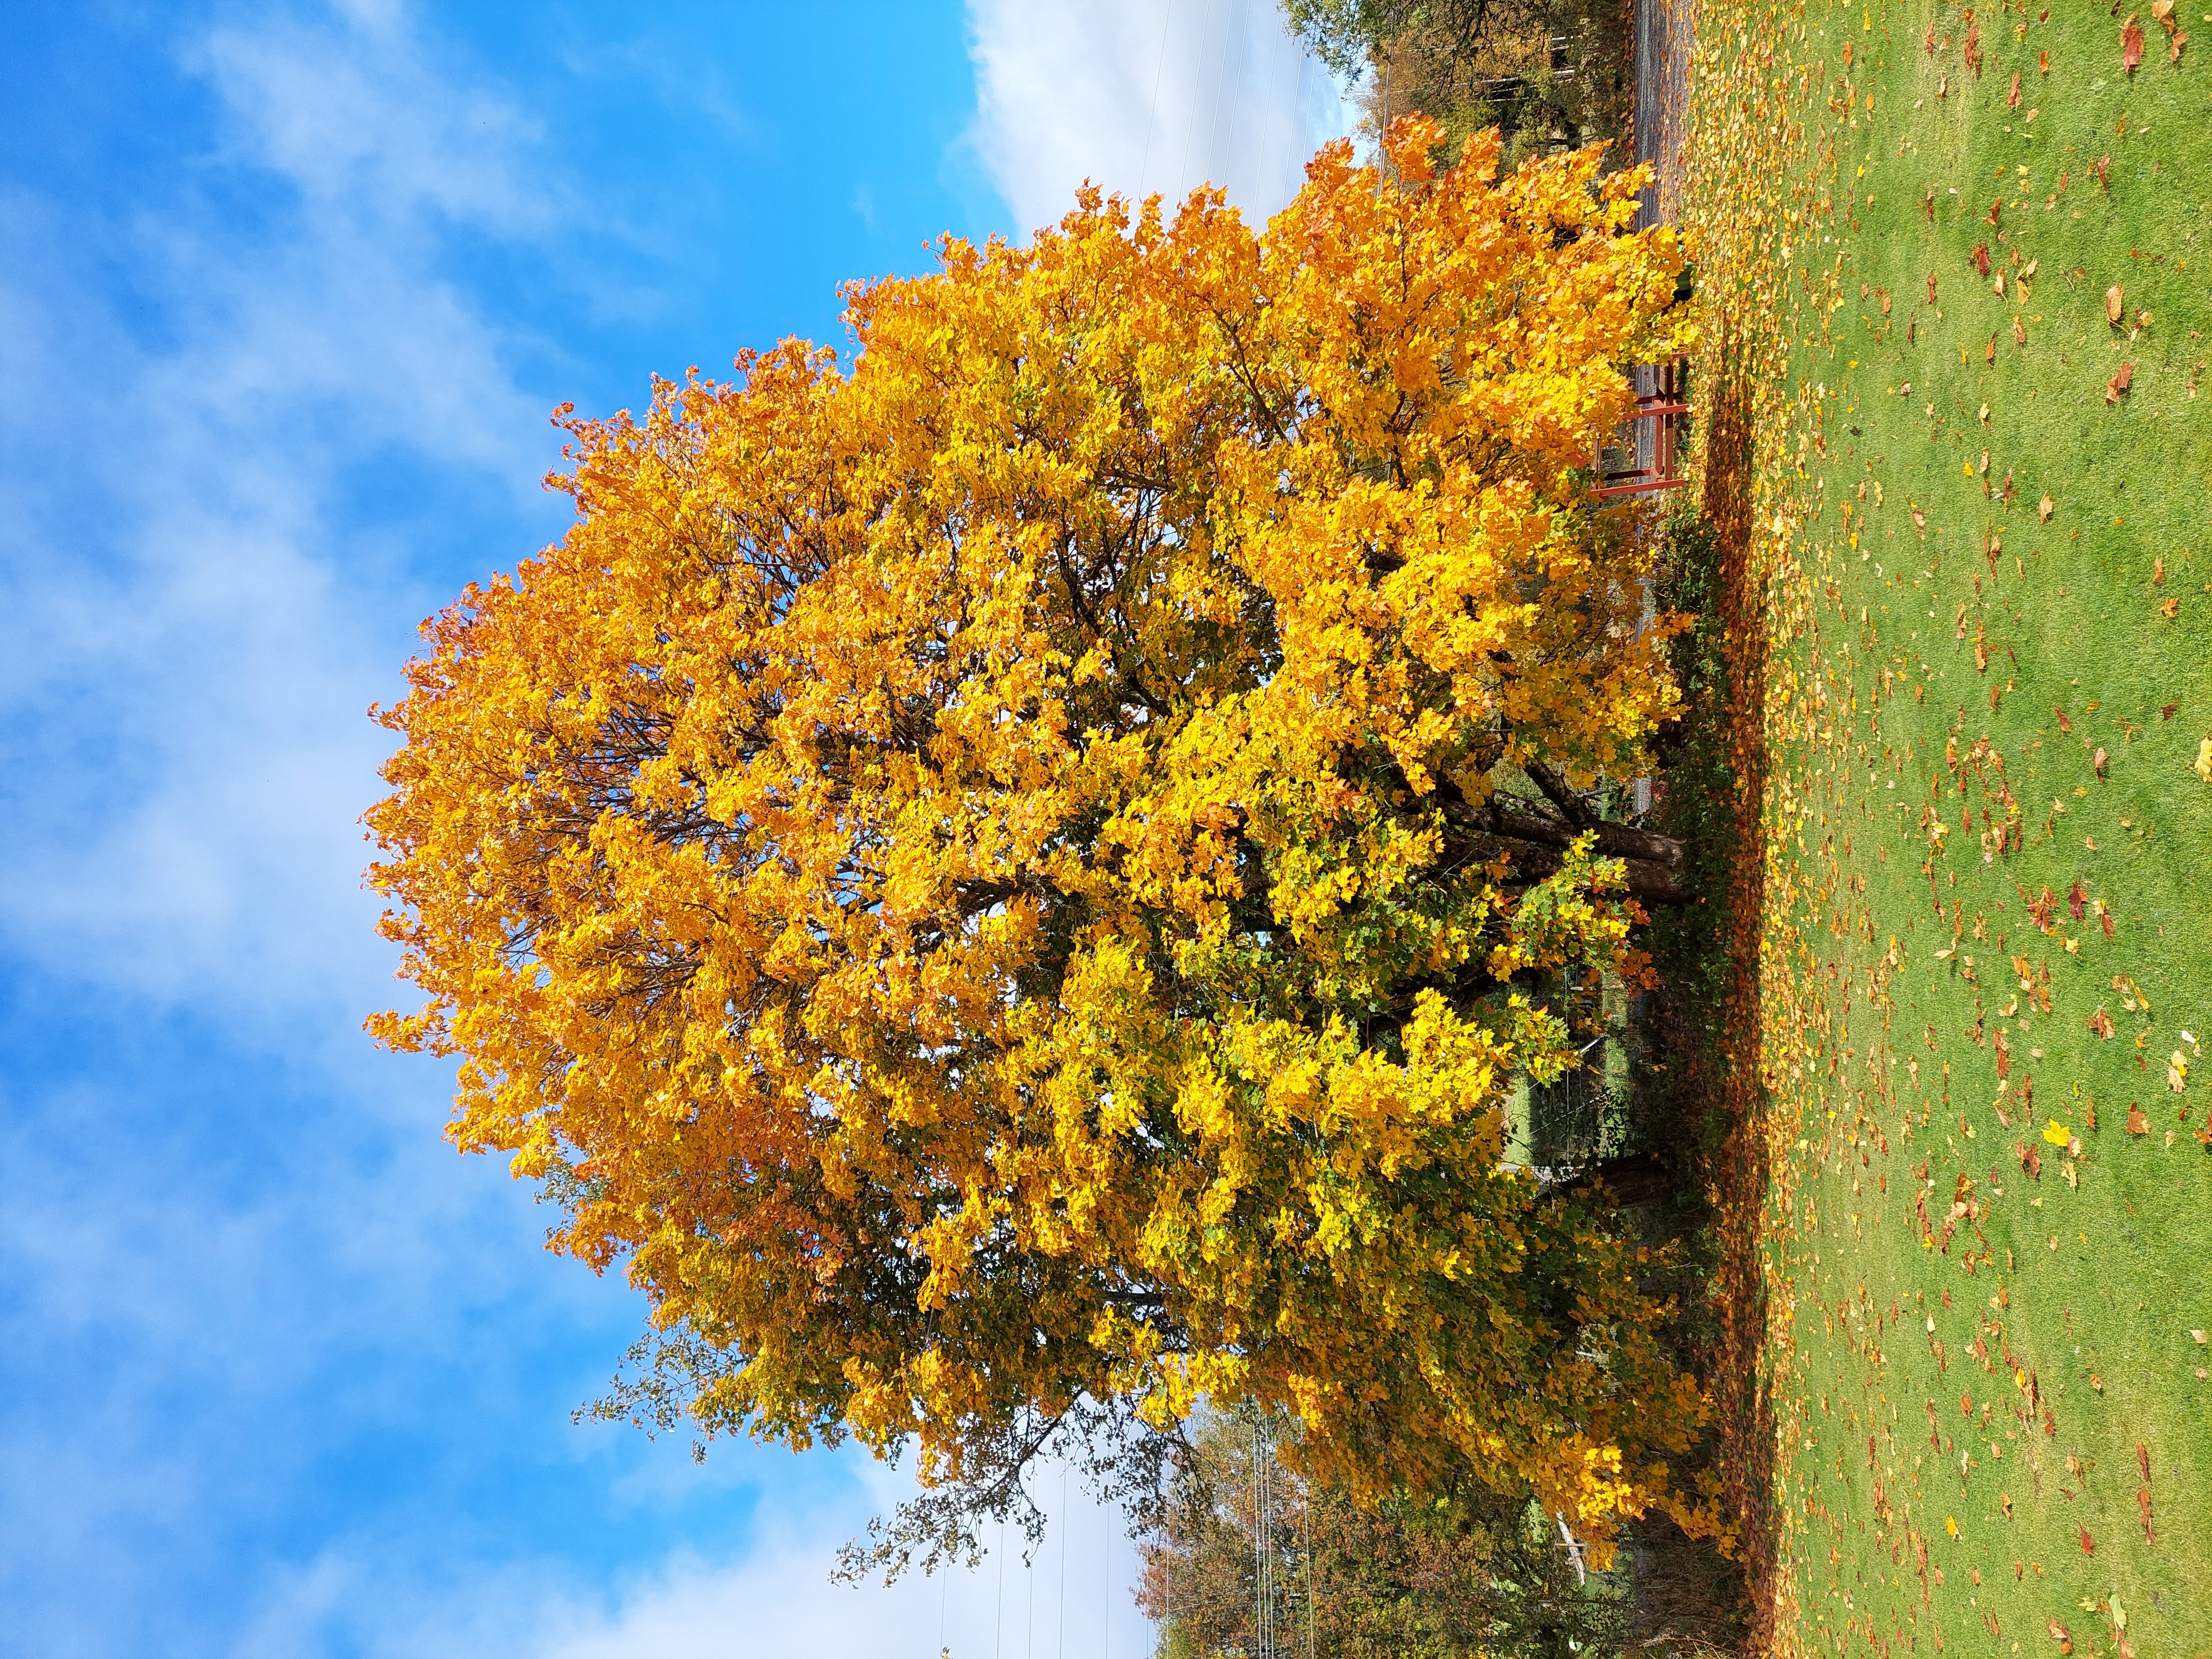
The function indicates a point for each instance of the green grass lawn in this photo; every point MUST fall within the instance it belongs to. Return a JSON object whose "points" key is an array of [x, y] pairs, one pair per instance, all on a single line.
{"points": [[1980, 509]]}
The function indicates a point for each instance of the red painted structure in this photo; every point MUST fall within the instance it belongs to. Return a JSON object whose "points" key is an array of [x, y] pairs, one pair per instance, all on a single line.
{"points": [[1650, 441]]}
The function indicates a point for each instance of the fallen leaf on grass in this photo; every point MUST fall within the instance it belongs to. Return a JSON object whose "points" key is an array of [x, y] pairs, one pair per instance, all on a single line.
{"points": [[2202, 1337], [2101, 1023], [2031, 1160], [2115, 306], [2117, 386], [2167, 713], [2077, 901], [2137, 1123], [1981, 258], [2012, 98], [2057, 1135], [2065, 724], [2203, 767], [2131, 46]]}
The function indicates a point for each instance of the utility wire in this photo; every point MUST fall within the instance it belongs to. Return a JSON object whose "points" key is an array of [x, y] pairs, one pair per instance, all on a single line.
{"points": [[1153, 115]]}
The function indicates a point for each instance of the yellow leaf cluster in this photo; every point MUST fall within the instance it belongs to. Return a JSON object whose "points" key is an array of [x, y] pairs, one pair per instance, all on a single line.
{"points": [[966, 869]]}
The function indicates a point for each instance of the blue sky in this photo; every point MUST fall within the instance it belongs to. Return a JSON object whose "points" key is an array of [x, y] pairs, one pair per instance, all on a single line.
{"points": [[290, 292]]}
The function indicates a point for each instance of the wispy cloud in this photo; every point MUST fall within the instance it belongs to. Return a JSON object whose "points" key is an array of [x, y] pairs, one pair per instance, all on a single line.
{"points": [[775, 1598], [195, 618], [1143, 96]]}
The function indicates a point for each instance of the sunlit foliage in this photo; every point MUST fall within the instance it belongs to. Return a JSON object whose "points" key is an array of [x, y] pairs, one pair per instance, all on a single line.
{"points": [[979, 869]]}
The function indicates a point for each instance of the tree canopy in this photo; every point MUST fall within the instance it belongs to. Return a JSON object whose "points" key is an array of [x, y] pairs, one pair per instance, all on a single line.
{"points": [[1017, 866]]}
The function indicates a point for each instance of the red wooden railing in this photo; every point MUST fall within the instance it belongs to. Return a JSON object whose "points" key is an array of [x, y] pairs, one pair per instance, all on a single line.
{"points": [[1650, 441]]}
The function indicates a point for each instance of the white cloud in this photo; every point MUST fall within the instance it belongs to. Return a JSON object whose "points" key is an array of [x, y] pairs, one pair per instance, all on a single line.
{"points": [[1141, 96], [775, 1600], [193, 624]]}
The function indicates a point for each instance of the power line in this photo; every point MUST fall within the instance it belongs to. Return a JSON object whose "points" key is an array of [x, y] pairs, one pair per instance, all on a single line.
{"points": [[1153, 115]]}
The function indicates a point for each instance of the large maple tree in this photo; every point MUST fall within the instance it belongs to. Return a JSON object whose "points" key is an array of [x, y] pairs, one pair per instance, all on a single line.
{"points": [[1018, 867]]}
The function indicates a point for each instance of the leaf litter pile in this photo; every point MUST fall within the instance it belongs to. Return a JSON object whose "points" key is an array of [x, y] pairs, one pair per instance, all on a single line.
{"points": [[1957, 268]]}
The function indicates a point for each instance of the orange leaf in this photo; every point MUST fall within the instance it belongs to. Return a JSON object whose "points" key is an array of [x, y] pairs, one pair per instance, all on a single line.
{"points": [[2137, 1123], [2131, 46]]}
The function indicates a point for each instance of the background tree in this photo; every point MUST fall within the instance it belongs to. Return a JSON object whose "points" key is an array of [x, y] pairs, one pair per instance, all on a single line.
{"points": [[1470, 1572], [1007, 877], [1553, 74]]}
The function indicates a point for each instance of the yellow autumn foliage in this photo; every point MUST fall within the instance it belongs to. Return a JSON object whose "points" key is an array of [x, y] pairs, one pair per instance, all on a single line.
{"points": [[965, 869]]}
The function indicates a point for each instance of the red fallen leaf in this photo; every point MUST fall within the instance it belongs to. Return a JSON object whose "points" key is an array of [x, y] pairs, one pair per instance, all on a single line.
{"points": [[2117, 386], [2104, 919], [1995, 215], [2137, 1123], [2077, 901], [1973, 45], [2030, 1159], [2101, 1023], [2012, 98], [2102, 166], [2039, 907], [1981, 257], [2088, 1544], [1931, 286], [2174, 46], [2142, 1460], [2004, 1058], [2064, 724], [2043, 62], [2142, 1503], [2167, 713], [2131, 46]]}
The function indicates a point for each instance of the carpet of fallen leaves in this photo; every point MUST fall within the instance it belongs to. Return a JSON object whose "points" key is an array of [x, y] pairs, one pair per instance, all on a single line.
{"points": [[1956, 269]]}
